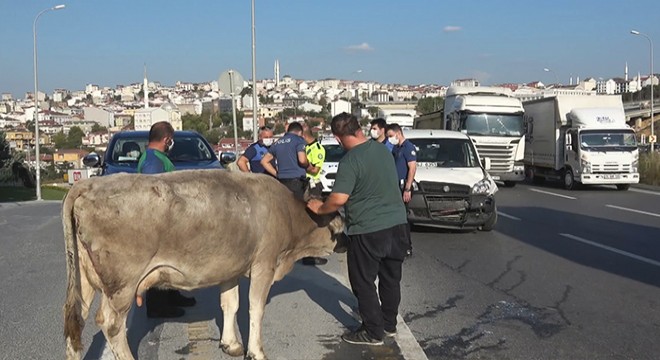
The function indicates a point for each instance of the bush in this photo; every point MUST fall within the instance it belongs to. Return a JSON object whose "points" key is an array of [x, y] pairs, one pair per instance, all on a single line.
{"points": [[649, 168]]}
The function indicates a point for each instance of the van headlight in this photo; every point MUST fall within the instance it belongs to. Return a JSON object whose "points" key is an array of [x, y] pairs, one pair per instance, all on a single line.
{"points": [[484, 186], [586, 166]]}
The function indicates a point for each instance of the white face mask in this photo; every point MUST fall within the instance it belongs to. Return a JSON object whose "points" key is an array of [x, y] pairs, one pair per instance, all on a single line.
{"points": [[394, 140], [268, 141], [374, 134], [169, 145]]}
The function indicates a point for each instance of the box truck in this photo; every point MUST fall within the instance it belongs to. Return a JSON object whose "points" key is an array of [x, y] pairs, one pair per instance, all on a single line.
{"points": [[580, 139], [493, 119]]}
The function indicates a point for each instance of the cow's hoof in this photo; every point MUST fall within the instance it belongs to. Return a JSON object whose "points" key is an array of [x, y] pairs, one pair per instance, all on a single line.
{"points": [[235, 349], [254, 357]]}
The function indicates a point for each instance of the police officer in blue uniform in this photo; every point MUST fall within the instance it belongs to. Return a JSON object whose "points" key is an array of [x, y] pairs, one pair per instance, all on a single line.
{"points": [[289, 152], [255, 152]]}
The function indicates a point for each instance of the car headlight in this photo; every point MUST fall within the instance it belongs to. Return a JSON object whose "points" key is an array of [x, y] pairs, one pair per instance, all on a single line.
{"points": [[482, 187], [586, 166], [415, 186]]}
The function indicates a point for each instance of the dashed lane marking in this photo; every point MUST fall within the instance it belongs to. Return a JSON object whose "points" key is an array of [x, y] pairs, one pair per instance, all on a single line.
{"points": [[553, 194], [612, 249], [642, 191], [633, 210]]}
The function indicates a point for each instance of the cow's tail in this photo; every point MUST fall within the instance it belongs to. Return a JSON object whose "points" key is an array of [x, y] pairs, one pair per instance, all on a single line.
{"points": [[73, 321]]}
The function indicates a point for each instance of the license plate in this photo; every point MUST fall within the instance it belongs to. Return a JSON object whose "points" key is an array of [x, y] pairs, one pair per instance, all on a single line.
{"points": [[611, 176], [495, 177]]}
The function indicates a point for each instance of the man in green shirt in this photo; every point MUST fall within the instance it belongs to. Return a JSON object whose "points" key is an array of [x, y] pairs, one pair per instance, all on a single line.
{"points": [[368, 188], [161, 303]]}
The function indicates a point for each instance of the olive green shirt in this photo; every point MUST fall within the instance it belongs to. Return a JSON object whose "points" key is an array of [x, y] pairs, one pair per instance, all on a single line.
{"points": [[368, 175]]}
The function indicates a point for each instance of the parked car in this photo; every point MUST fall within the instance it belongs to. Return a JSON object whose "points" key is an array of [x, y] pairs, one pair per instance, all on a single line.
{"points": [[190, 151], [452, 188], [333, 153]]}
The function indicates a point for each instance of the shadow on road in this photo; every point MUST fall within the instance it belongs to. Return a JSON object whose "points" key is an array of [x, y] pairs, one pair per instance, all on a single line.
{"points": [[321, 288], [544, 226]]}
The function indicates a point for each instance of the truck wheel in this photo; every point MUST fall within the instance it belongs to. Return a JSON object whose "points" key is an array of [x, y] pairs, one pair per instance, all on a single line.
{"points": [[509, 184], [569, 179], [622, 187], [490, 223]]}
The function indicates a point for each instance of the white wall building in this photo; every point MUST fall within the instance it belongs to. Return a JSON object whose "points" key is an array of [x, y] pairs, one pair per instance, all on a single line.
{"points": [[339, 106]]}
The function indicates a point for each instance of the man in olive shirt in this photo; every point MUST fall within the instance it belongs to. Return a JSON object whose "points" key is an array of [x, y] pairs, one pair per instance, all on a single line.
{"points": [[367, 186]]}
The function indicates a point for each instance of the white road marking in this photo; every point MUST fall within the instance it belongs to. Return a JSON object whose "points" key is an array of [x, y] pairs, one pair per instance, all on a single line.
{"points": [[508, 216], [642, 191], [612, 249], [633, 210], [553, 194]]}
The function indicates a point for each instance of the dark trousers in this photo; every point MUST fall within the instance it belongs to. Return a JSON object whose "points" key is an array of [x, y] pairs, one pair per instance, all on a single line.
{"points": [[379, 255], [297, 186]]}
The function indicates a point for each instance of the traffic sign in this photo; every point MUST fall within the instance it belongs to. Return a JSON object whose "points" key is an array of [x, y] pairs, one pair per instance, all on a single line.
{"points": [[653, 138], [231, 82]]}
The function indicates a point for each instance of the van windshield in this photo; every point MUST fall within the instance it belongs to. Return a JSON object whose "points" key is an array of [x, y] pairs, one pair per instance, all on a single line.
{"points": [[445, 152], [621, 140]]}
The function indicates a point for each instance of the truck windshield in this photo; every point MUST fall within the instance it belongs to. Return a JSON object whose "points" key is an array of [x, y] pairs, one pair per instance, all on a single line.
{"points": [[445, 152], [608, 140], [493, 124]]}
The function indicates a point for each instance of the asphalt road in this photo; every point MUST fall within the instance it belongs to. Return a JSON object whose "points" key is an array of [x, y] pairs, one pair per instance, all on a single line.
{"points": [[565, 275]]}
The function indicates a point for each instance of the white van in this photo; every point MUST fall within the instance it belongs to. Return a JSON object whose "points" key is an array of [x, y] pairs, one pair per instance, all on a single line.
{"points": [[333, 153], [452, 188]]}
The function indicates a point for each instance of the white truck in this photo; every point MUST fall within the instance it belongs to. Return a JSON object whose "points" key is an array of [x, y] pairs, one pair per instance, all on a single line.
{"points": [[580, 139], [493, 119], [403, 117]]}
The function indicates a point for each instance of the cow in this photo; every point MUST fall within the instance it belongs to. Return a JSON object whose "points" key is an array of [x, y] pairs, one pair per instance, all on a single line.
{"points": [[191, 229]]}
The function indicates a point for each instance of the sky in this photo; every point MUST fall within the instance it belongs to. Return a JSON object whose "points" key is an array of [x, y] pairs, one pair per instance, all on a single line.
{"points": [[406, 42]]}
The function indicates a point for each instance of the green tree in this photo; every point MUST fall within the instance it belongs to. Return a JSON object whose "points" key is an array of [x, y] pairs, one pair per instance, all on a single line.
{"points": [[5, 150], [59, 140], [99, 128], [279, 128], [74, 138], [429, 104], [213, 136], [373, 111]]}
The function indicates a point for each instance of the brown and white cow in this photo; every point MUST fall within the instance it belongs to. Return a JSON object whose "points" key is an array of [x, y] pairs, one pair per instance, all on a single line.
{"points": [[187, 230]]}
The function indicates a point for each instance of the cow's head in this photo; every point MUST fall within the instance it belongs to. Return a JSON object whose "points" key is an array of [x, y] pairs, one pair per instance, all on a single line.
{"points": [[335, 224]]}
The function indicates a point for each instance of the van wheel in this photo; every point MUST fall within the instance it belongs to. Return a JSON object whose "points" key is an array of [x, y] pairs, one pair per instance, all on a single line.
{"points": [[569, 179], [509, 184], [622, 187], [489, 225]]}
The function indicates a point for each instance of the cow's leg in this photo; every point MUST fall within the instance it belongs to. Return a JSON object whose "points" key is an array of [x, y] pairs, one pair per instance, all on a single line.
{"points": [[113, 325], [261, 279], [87, 294], [229, 301]]}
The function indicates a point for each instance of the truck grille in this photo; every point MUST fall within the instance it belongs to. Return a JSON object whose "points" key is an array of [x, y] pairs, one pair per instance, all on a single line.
{"points": [[610, 168], [501, 156], [439, 188]]}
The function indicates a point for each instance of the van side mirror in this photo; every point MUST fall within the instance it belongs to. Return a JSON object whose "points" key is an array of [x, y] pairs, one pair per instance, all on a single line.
{"points": [[569, 140], [92, 160], [486, 163], [227, 157]]}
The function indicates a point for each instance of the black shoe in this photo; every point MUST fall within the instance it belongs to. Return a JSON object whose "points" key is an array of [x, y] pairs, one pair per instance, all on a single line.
{"points": [[176, 299], [314, 261], [390, 333], [361, 337], [165, 312]]}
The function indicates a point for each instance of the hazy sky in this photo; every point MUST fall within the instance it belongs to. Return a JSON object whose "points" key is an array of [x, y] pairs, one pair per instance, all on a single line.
{"points": [[409, 42]]}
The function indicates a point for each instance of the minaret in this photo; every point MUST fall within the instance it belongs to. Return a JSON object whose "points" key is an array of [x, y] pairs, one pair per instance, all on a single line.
{"points": [[626, 72], [145, 88], [277, 72]]}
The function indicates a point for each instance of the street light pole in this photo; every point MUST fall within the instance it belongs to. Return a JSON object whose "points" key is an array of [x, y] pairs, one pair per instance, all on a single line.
{"points": [[553, 73], [255, 126], [36, 98], [635, 32]]}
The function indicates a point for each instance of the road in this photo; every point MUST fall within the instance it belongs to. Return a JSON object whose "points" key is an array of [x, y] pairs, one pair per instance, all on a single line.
{"points": [[565, 275]]}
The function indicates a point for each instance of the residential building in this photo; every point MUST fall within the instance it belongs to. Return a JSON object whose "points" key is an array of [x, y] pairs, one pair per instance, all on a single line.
{"points": [[465, 82], [100, 116], [339, 106], [71, 156], [169, 112], [21, 139]]}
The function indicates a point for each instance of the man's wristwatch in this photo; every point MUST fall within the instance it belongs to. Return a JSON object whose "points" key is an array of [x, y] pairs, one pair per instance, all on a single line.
{"points": [[407, 190]]}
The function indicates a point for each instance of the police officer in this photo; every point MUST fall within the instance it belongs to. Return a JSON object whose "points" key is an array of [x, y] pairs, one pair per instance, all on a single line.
{"points": [[255, 152], [316, 157], [378, 132], [289, 152], [161, 303], [405, 158]]}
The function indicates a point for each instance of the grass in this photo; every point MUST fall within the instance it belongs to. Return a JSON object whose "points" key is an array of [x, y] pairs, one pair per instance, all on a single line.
{"points": [[649, 168], [19, 193]]}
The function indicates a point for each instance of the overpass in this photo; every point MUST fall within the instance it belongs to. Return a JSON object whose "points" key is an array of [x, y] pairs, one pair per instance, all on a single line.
{"points": [[640, 109]]}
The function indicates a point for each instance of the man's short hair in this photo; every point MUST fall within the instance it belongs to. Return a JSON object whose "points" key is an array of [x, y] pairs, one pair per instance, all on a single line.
{"points": [[264, 128], [380, 122], [160, 130], [344, 124], [294, 126], [394, 127]]}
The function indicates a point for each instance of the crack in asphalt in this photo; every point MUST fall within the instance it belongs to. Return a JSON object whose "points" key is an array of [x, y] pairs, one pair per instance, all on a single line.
{"points": [[449, 304], [509, 267]]}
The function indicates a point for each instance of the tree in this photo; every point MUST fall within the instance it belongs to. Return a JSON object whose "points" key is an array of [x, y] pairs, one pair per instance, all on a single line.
{"points": [[373, 111], [74, 139], [279, 128], [98, 128], [5, 150], [429, 104], [59, 140], [213, 136]]}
